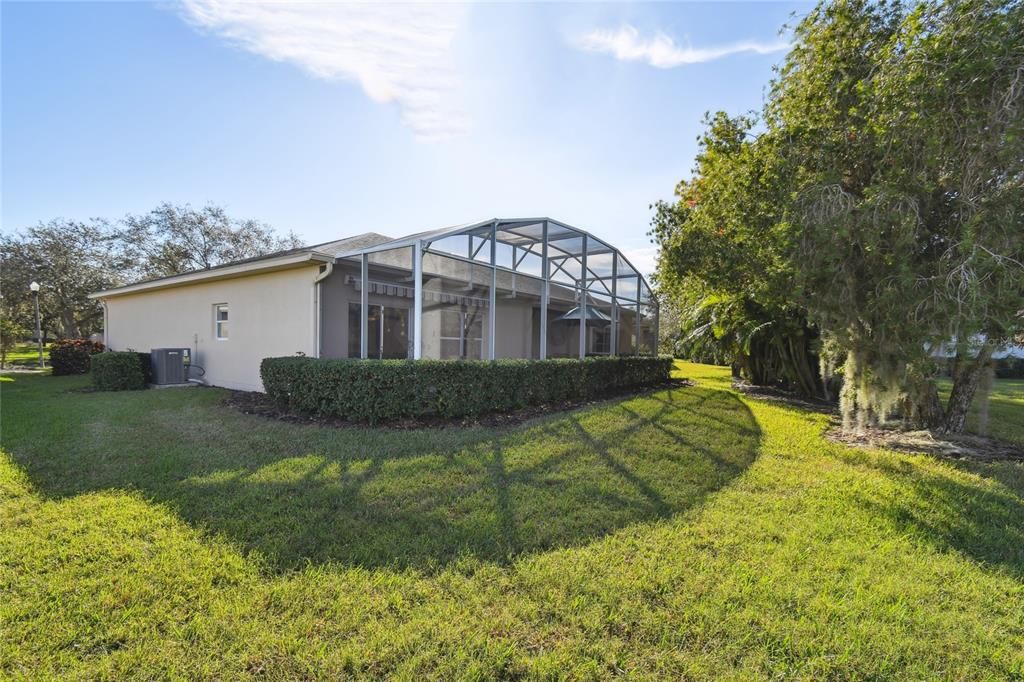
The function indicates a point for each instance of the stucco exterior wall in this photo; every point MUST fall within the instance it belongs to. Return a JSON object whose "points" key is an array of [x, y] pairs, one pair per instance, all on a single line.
{"points": [[270, 314]]}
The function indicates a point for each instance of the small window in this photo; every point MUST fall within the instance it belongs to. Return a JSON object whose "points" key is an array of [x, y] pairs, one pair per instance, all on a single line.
{"points": [[220, 319]]}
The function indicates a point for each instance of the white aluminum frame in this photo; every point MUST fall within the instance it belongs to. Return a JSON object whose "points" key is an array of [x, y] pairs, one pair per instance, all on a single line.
{"points": [[554, 258]]}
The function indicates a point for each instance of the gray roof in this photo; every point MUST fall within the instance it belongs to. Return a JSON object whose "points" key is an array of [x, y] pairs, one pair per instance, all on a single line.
{"points": [[340, 246], [332, 248]]}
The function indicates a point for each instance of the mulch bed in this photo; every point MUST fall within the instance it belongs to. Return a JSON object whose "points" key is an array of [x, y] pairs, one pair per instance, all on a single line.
{"points": [[261, 405], [785, 397], [953, 446]]}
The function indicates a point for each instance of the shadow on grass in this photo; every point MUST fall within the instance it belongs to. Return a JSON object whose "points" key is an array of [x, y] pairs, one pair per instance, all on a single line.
{"points": [[948, 508], [359, 496]]}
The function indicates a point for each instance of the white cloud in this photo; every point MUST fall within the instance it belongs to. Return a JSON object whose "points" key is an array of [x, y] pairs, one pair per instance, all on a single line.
{"points": [[397, 53], [644, 259], [661, 50]]}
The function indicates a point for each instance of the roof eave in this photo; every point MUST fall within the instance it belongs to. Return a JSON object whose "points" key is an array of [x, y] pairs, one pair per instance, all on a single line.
{"points": [[225, 272]]}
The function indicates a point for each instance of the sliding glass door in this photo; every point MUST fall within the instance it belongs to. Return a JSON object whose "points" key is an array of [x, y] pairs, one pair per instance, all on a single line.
{"points": [[387, 334], [394, 333]]}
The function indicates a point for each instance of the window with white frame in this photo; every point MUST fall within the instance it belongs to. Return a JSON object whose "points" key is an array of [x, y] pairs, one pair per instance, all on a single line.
{"points": [[220, 321]]}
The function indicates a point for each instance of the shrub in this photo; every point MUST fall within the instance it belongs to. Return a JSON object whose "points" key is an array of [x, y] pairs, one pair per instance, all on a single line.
{"points": [[146, 361], [120, 371], [71, 356], [381, 390], [10, 333], [1009, 368]]}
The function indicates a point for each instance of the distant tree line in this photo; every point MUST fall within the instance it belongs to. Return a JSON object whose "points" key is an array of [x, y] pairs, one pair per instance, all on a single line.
{"points": [[71, 259], [873, 210]]}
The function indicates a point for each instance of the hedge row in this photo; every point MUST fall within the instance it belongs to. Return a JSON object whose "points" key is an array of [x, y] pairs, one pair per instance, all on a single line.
{"points": [[1009, 368], [382, 390], [121, 371], [71, 356]]}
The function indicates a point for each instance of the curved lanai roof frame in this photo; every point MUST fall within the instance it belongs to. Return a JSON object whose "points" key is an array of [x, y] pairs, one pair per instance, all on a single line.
{"points": [[562, 257]]}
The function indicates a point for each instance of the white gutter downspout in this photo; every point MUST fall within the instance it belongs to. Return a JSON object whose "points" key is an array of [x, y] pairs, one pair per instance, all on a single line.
{"points": [[106, 325], [325, 274], [316, 305]]}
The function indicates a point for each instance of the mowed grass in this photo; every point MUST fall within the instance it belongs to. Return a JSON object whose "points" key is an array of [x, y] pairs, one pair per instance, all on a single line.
{"points": [[688, 533], [1005, 409], [27, 355], [379, 497]]}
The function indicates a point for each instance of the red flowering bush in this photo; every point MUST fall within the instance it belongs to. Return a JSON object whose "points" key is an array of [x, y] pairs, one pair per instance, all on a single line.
{"points": [[71, 356]]}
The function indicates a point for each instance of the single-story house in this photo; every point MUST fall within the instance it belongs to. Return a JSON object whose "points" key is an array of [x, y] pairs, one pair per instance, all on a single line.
{"points": [[511, 288]]}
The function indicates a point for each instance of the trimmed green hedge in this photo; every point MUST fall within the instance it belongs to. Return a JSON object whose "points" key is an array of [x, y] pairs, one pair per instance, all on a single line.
{"points": [[120, 371], [381, 390]]}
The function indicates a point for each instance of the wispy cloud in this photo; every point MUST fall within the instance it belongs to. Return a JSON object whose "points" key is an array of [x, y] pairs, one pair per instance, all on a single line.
{"points": [[398, 54], [661, 50], [644, 259]]}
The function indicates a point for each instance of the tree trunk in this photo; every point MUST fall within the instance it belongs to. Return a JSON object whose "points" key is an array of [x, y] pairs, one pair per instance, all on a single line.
{"points": [[923, 407], [69, 324], [810, 382], [966, 377]]}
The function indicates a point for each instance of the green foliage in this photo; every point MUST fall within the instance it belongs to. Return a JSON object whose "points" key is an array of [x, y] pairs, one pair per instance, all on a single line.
{"points": [[722, 266], [1009, 368], [381, 390], [146, 361], [172, 239], [71, 356], [904, 130], [10, 333], [878, 197], [72, 259], [689, 533], [69, 260], [120, 371]]}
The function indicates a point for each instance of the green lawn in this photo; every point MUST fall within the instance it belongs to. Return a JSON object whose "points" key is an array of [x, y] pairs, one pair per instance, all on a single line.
{"points": [[690, 533], [27, 355], [1005, 406]]}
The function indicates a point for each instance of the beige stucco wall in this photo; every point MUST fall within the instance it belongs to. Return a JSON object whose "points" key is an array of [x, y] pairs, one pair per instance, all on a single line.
{"points": [[270, 314]]}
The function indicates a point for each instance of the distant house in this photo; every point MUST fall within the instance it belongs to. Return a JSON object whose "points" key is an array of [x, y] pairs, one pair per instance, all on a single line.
{"points": [[1009, 351], [520, 288]]}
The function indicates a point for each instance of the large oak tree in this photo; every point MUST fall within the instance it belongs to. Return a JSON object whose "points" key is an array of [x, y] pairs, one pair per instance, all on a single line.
{"points": [[71, 259]]}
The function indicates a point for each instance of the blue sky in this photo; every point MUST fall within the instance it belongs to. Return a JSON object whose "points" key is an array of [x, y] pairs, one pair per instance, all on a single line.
{"points": [[331, 120]]}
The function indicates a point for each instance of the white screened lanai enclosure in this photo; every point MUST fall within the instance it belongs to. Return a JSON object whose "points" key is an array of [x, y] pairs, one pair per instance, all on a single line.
{"points": [[523, 288]]}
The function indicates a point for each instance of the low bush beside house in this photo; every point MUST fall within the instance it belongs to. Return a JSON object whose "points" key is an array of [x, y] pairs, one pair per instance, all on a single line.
{"points": [[71, 356], [383, 390], [120, 371]]}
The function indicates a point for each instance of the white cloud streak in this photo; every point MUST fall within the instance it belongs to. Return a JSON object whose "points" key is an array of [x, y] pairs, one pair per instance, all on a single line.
{"points": [[661, 51], [398, 54], [644, 259]]}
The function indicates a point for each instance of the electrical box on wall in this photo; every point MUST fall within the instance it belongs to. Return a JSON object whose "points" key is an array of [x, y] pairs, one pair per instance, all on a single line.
{"points": [[170, 365]]}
